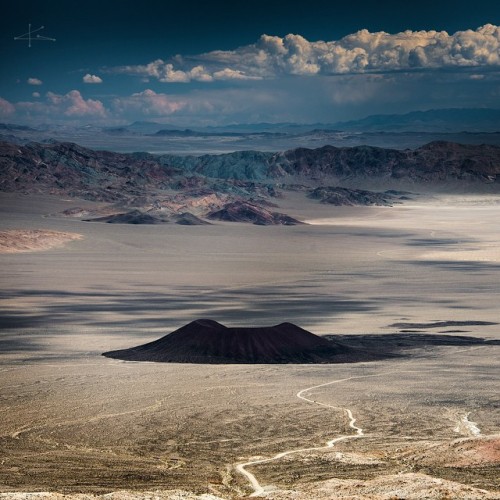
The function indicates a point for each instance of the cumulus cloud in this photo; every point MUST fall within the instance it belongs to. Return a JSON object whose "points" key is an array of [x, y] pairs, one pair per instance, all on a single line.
{"points": [[166, 72], [361, 52], [34, 81], [6, 108], [70, 105], [36, 94], [148, 103], [88, 78], [73, 104], [233, 74]]}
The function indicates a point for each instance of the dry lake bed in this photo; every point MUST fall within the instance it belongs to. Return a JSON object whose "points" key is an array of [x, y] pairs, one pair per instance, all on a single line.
{"points": [[421, 279]]}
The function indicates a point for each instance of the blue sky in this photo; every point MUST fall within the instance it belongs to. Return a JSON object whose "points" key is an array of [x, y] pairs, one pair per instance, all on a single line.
{"points": [[206, 63]]}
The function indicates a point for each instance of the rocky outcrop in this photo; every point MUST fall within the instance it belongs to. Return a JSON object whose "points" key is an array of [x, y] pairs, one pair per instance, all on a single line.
{"points": [[188, 219], [436, 162], [132, 217], [341, 196], [139, 217], [32, 240], [240, 211], [240, 165], [75, 171]]}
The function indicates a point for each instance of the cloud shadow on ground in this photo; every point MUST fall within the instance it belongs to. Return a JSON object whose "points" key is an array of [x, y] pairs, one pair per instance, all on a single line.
{"points": [[135, 310]]}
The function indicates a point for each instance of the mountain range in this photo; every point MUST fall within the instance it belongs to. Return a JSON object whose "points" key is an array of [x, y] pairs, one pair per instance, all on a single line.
{"points": [[410, 130], [241, 186], [432, 120]]}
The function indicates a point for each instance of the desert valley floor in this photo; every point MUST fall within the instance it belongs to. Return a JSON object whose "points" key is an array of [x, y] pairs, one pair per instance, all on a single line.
{"points": [[423, 423]]}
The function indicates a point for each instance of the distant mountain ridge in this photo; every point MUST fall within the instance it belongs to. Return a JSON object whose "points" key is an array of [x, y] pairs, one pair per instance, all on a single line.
{"points": [[434, 162], [12, 127], [108, 176], [433, 120], [194, 133]]}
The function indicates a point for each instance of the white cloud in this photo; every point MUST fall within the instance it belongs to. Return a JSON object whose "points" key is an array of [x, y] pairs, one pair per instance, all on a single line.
{"points": [[233, 74], [36, 94], [165, 72], [361, 52], [70, 105], [88, 78], [6, 108], [148, 103], [73, 104], [324, 98], [34, 81]]}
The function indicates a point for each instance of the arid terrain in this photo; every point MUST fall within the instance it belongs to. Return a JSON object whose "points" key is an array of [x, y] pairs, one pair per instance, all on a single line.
{"points": [[419, 280], [16, 240], [249, 250]]}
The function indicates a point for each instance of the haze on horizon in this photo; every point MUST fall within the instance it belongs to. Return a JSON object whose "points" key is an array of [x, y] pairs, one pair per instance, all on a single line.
{"points": [[211, 63]]}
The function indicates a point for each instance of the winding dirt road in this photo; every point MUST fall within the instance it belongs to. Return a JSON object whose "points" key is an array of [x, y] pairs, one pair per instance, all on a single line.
{"points": [[469, 427], [257, 487]]}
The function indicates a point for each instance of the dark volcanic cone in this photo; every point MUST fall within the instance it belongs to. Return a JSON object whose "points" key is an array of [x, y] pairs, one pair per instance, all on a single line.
{"points": [[206, 341]]}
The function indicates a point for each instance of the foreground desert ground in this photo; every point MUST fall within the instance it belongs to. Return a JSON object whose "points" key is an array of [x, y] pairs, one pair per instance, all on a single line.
{"points": [[421, 424]]}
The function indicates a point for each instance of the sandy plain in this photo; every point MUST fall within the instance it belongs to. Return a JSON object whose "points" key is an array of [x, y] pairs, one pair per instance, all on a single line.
{"points": [[74, 422]]}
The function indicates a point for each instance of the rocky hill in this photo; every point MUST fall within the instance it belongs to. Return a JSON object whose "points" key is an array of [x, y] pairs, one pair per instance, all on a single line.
{"points": [[250, 212], [350, 197], [132, 217], [140, 218], [70, 169]]}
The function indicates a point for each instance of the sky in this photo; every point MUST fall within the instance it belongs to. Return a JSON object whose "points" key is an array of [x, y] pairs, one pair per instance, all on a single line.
{"points": [[195, 63]]}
